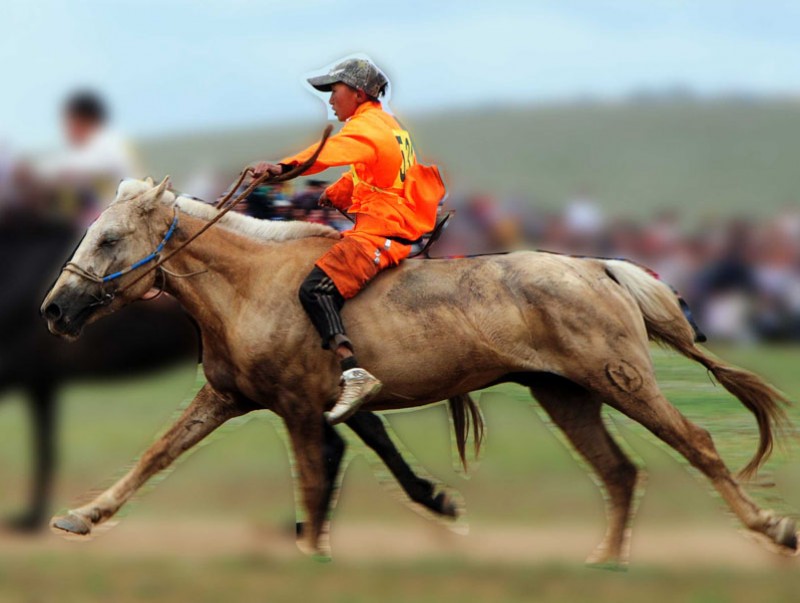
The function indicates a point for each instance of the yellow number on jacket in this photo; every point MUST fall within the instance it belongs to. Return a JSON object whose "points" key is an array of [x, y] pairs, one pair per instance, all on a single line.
{"points": [[407, 151]]}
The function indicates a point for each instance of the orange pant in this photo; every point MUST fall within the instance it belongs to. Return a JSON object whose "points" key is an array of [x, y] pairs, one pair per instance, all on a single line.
{"points": [[357, 258]]}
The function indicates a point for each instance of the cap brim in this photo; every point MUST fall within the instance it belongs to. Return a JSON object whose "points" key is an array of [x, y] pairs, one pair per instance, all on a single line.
{"points": [[323, 83]]}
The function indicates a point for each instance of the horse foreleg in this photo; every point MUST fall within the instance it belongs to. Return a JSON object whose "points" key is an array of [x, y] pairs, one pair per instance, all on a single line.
{"points": [[313, 475], [42, 405], [207, 411], [333, 452], [577, 413], [372, 431]]}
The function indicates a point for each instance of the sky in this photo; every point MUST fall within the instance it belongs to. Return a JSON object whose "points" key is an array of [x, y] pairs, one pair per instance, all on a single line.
{"points": [[184, 66]]}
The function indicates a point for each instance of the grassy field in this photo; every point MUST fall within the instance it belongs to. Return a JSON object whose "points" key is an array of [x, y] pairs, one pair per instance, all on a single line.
{"points": [[711, 159], [525, 480], [426, 581]]}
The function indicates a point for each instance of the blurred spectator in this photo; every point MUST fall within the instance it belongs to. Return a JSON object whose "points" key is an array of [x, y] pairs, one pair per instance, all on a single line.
{"points": [[317, 216], [308, 198], [482, 225], [337, 220], [259, 203], [85, 175], [268, 202], [584, 222], [726, 285], [281, 209]]}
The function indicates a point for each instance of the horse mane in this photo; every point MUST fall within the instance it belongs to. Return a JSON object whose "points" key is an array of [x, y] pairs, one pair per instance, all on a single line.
{"points": [[261, 230]]}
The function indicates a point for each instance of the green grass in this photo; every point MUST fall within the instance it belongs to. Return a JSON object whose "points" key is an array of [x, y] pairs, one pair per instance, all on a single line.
{"points": [[435, 581]]}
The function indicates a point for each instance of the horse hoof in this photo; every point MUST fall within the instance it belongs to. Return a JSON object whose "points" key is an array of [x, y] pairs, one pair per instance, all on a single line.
{"points": [[786, 533], [72, 523], [603, 558], [445, 505], [316, 551]]}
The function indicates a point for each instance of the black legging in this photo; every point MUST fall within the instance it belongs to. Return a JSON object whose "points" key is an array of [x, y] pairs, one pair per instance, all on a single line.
{"points": [[323, 302]]}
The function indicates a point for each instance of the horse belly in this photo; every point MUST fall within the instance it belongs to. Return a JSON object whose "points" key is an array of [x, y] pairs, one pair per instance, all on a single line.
{"points": [[432, 355]]}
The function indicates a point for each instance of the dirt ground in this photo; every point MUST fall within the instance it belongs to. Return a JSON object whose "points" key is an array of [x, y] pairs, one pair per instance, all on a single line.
{"points": [[686, 546]]}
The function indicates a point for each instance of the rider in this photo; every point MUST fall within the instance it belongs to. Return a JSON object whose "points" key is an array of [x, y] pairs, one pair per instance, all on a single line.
{"points": [[88, 171], [392, 197]]}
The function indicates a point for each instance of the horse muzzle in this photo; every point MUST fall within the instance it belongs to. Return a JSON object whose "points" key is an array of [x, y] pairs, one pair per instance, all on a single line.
{"points": [[67, 313]]}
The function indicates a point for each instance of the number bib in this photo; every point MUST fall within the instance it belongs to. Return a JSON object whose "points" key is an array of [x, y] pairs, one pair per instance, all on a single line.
{"points": [[403, 138], [408, 158]]}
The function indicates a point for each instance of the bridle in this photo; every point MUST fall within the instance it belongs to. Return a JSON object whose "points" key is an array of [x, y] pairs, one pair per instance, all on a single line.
{"points": [[108, 296], [95, 278]]}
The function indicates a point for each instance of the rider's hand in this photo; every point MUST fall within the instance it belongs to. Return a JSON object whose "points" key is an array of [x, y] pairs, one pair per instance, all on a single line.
{"points": [[262, 167], [324, 201]]}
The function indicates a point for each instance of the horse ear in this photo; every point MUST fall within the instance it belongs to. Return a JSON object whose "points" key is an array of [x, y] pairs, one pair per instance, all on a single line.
{"points": [[164, 185], [150, 199], [149, 181]]}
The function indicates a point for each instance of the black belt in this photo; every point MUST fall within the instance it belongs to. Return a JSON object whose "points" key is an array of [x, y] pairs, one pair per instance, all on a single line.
{"points": [[403, 241], [433, 236]]}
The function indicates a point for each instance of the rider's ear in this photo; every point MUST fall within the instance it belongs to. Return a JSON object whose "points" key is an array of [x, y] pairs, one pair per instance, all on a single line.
{"points": [[149, 200]]}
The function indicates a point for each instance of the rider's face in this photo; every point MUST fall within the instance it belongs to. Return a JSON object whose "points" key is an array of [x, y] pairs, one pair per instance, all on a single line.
{"points": [[78, 130], [345, 100]]}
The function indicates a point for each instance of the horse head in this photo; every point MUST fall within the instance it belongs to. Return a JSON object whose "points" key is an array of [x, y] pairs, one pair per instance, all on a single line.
{"points": [[127, 231]]}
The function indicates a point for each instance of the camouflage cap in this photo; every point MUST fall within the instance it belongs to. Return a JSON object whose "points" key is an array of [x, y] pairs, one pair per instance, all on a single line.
{"points": [[360, 74]]}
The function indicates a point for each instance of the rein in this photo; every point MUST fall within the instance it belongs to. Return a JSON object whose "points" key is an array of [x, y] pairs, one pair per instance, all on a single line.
{"points": [[108, 297]]}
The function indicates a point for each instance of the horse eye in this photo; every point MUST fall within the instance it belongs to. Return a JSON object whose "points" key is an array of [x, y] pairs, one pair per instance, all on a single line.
{"points": [[108, 242]]}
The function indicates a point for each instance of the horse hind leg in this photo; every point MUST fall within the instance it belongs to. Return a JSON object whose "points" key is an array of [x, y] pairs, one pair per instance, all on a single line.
{"points": [[577, 413], [637, 396], [372, 431]]}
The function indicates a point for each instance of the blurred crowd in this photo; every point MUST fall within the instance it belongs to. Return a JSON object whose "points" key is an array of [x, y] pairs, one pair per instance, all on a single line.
{"points": [[279, 202], [741, 277]]}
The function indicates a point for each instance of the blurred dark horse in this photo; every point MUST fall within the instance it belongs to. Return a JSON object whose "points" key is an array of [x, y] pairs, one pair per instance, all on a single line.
{"points": [[145, 337], [150, 336]]}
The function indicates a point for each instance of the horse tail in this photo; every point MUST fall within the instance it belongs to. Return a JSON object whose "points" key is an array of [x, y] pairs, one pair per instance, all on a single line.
{"points": [[668, 324], [465, 412]]}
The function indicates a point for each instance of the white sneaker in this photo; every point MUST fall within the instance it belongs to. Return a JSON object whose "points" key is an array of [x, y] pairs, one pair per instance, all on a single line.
{"points": [[358, 386]]}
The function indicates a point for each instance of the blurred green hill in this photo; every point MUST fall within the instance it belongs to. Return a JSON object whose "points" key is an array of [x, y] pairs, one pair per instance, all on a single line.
{"points": [[704, 157]]}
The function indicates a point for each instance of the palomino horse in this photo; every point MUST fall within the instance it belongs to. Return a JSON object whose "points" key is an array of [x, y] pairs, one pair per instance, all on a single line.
{"points": [[575, 331]]}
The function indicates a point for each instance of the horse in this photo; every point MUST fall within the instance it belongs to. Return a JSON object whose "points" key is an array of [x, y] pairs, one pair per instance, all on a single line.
{"points": [[145, 337], [575, 331]]}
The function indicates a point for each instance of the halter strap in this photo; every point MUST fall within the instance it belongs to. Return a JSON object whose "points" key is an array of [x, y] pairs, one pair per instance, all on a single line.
{"points": [[90, 274], [76, 269]]}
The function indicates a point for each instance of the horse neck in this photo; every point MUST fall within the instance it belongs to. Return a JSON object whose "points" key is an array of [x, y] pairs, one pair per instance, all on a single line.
{"points": [[217, 261]]}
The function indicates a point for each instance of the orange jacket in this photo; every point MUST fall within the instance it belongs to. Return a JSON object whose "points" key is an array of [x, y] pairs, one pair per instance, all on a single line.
{"points": [[389, 192]]}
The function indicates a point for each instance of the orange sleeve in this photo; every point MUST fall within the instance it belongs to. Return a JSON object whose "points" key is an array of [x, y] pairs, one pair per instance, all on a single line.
{"points": [[351, 145], [340, 193]]}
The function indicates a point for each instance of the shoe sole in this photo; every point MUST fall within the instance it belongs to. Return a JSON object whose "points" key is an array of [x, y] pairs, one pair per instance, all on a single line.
{"points": [[354, 409]]}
